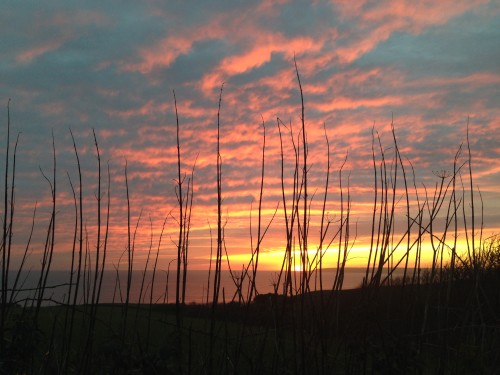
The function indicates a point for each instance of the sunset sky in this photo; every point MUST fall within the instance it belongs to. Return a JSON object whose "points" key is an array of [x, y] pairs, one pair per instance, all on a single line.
{"points": [[113, 66]]}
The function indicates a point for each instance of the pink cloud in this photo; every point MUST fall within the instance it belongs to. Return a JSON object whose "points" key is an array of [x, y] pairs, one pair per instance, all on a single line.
{"points": [[258, 54], [417, 15], [30, 54], [352, 103], [162, 54]]}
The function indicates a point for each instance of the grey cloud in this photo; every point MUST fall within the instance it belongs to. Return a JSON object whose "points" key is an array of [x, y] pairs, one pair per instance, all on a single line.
{"points": [[191, 66], [461, 47]]}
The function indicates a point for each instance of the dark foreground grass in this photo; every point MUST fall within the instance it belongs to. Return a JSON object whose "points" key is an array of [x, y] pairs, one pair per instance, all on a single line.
{"points": [[427, 328]]}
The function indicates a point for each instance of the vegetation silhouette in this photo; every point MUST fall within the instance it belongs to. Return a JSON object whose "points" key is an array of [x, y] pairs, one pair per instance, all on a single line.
{"points": [[438, 319]]}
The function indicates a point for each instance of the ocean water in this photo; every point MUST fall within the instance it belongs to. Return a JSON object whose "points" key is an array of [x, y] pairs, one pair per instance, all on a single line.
{"points": [[164, 289]]}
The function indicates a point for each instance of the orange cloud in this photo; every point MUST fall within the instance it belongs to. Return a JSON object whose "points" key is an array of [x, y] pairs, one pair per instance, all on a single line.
{"points": [[352, 103], [257, 55]]}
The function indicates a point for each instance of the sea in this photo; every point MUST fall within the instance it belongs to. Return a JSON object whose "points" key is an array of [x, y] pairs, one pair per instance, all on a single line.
{"points": [[142, 289]]}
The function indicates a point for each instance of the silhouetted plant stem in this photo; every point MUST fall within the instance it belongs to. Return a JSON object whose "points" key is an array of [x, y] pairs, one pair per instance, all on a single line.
{"points": [[375, 196], [286, 266], [87, 270], [341, 256], [79, 224], [5, 270], [98, 269], [70, 286], [255, 255], [12, 209], [382, 224], [187, 229], [305, 218], [106, 236], [418, 241], [210, 262], [14, 289], [455, 216], [407, 196], [180, 245], [469, 155], [323, 231], [185, 209], [49, 244], [218, 259], [218, 256], [129, 255], [148, 257], [98, 240], [153, 280]]}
